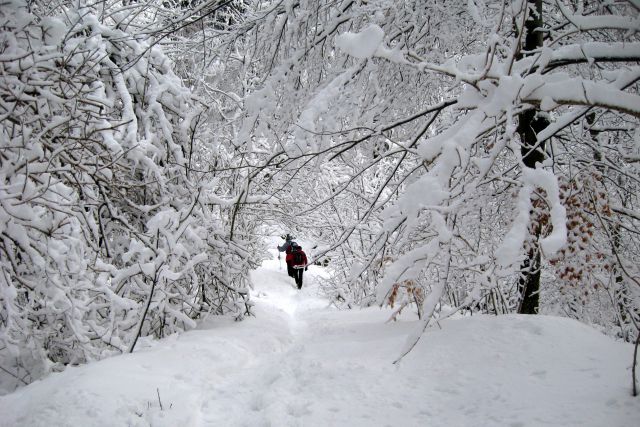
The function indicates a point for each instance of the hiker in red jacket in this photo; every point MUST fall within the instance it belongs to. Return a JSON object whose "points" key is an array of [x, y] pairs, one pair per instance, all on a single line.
{"points": [[299, 263], [286, 247]]}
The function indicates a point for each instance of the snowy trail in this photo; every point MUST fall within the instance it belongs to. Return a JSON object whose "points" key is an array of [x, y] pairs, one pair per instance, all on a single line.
{"points": [[307, 381], [300, 363], [268, 387]]}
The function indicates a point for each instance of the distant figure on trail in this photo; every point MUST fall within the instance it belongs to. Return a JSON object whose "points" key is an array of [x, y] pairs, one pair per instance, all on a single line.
{"points": [[286, 247], [298, 263]]}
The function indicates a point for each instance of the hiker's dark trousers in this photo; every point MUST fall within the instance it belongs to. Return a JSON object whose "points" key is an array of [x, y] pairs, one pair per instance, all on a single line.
{"points": [[290, 269], [297, 274]]}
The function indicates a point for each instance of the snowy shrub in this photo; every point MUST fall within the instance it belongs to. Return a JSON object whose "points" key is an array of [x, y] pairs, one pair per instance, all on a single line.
{"points": [[106, 235]]}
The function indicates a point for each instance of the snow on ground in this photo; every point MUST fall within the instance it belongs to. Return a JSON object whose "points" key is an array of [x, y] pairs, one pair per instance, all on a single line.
{"points": [[302, 363]]}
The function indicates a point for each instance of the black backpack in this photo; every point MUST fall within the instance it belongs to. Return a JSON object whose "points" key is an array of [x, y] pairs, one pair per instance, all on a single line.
{"points": [[297, 257], [290, 247]]}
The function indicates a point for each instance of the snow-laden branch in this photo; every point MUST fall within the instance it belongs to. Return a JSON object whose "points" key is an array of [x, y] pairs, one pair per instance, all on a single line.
{"points": [[599, 23], [593, 52], [624, 79], [574, 91]]}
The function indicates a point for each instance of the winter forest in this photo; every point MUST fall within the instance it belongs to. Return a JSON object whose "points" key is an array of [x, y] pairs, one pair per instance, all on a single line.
{"points": [[442, 158]]}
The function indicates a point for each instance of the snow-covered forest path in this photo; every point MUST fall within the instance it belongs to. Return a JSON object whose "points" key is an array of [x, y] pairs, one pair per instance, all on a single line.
{"points": [[299, 362], [311, 369]]}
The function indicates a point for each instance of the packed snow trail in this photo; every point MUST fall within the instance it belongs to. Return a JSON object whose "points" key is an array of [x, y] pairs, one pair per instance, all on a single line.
{"points": [[299, 362]]}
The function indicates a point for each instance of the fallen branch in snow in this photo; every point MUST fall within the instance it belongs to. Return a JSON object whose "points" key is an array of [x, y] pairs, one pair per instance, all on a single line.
{"points": [[633, 368], [146, 309], [159, 401]]}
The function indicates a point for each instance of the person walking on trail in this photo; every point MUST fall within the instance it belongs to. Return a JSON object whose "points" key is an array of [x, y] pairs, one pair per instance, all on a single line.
{"points": [[286, 247], [290, 269], [299, 264]]}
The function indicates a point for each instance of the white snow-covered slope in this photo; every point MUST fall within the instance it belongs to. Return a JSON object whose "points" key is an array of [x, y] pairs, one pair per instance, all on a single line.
{"points": [[301, 363]]}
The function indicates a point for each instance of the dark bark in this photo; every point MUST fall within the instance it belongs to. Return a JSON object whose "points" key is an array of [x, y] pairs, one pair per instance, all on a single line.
{"points": [[146, 309], [530, 283], [530, 124]]}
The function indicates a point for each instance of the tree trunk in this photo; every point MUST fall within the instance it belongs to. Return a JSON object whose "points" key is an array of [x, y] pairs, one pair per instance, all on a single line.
{"points": [[530, 283], [530, 124]]}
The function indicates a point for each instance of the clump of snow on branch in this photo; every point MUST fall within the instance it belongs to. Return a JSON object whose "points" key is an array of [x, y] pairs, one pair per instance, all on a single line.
{"points": [[363, 44]]}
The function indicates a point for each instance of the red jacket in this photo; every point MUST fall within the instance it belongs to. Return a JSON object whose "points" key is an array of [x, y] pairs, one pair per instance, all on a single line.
{"points": [[291, 255]]}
